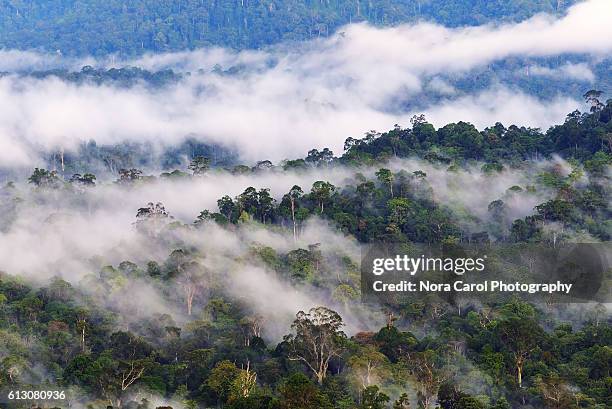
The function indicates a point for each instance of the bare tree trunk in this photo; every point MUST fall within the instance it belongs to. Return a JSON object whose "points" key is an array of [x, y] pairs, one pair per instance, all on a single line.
{"points": [[293, 219], [190, 290]]}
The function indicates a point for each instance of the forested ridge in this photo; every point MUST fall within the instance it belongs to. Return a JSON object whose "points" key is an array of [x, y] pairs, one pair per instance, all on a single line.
{"points": [[131, 28], [216, 353]]}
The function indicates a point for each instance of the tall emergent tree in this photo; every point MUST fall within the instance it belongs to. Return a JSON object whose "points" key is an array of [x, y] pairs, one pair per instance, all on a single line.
{"points": [[322, 192], [386, 177], [199, 165], [318, 338], [294, 194]]}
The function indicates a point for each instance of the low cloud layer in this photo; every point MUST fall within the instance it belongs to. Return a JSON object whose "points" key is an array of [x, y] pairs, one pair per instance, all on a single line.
{"points": [[286, 100], [74, 234], [581, 72]]}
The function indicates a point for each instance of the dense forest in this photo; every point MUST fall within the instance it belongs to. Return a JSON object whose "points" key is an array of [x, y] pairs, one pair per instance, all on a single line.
{"points": [[190, 200], [131, 28], [204, 341]]}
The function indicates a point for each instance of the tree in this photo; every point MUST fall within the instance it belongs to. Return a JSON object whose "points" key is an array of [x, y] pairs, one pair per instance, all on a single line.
{"points": [[556, 393], [152, 218], [403, 402], [592, 97], [344, 294], [87, 179], [385, 176], [298, 392], [115, 370], [491, 168], [192, 277], [227, 207], [349, 143], [521, 336], [368, 365], [555, 210], [372, 398], [44, 178], [251, 327], [265, 204], [127, 176], [199, 165], [426, 368], [326, 156], [222, 378], [241, 170], [450, 397], [399, 209], [318, 338], [11, 367], [300, 264], [394, 343], [294, 195], [248, 201], [82, 327], [244, 384], [497, 208], [322, 192], [263, 165], [313, 157]]}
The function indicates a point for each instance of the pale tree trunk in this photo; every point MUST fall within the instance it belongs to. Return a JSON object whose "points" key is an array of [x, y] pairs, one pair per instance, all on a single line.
{"points": [[293, 219], [369, 374], [519, 370], [190, 291]]}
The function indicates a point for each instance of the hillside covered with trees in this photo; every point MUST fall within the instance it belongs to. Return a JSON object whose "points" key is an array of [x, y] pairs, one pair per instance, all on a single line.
{"points": [[161, 318], [205, 204], [132, 28]]}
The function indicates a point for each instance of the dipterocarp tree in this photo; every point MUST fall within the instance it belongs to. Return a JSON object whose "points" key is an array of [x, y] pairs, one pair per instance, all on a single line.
{"points": [[44, 178], [222, 378], [521, 336], [114, 371], [192, 277], [368, 366], [251, 326], [428, 370], [317, 339], [152, 218], [244, 384], [386, 177], [556, 393], [227, 207], [294, 195], [87, 179], [199, 165], [127, 176], [321, 191]]}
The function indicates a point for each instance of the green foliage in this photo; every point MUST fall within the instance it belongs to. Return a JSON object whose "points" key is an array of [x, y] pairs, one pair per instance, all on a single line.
{"points": [[103, 27], [221, 379], [517, 352], [300, 392], [581, 136], [372, 398], [45, 179]]}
